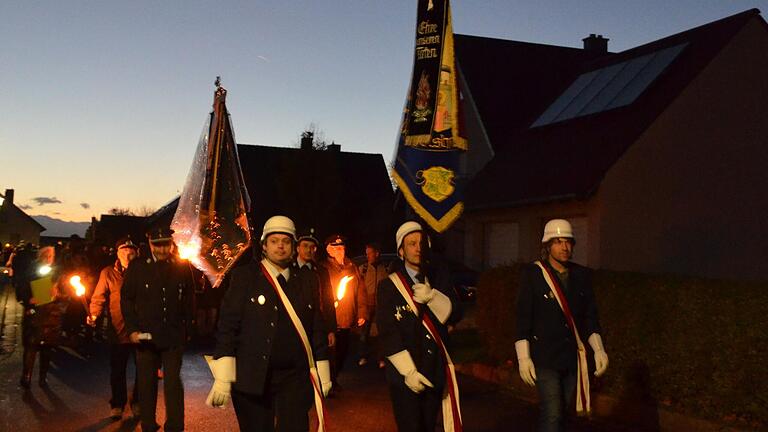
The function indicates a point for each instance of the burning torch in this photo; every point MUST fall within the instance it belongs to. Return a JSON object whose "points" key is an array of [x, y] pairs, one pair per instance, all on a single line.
{"points": [[342, 289], [77, 284]]}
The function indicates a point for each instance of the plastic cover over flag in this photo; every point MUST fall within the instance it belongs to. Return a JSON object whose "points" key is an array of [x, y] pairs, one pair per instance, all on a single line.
{"points": [[211, 225]]}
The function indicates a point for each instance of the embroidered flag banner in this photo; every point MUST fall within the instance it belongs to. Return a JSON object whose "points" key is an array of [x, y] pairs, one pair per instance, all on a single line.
{"points": [[431, 138], [210, 225]]}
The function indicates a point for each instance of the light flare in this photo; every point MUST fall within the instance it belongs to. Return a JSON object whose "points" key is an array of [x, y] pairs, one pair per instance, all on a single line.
{"points": [[76, 282], [342, 289], [43, 270]]}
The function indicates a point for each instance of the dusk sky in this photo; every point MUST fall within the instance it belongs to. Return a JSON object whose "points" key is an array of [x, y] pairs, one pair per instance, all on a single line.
{"points": [[103, 101]]}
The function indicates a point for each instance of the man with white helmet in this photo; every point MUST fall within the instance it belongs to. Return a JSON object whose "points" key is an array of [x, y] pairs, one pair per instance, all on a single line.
{"points": [[556, 313], [411, 316], [271, 351]]}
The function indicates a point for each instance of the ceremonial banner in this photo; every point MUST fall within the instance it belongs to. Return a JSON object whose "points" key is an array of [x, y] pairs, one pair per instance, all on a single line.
{"points": [[210, 225], [431, 140]]}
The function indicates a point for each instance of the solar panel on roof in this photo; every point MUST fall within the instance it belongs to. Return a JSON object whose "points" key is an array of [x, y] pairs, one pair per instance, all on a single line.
{"points": [[610, 87]]}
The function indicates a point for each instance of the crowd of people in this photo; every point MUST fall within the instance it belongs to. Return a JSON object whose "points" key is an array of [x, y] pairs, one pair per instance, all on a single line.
{"points": [[285, 321]]}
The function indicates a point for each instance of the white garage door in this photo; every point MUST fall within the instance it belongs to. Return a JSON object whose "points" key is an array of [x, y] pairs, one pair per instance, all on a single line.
{"points": [[503, 243], [579, 225]]}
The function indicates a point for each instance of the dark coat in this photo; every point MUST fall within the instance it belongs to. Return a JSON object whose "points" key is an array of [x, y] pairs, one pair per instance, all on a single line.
{"points": [[541, 321], [400, 329], [156, 298], [247, 327]]}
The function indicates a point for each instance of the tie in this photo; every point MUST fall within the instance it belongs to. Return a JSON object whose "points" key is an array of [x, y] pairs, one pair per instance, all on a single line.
{"points": [[281, 280], [419, 278]]}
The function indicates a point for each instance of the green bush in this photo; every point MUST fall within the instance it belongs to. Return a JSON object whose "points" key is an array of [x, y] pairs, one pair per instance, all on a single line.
{"points": [[691, 345]]}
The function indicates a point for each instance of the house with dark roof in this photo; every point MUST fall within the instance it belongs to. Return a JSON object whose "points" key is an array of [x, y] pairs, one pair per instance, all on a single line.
{"points": [[657, 154], [15, 224], [329, 190], [110, 228]]}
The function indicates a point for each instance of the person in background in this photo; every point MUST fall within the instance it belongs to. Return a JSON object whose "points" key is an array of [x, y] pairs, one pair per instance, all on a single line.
{"points": [[106, 300], [373, 271], [348, 290], [306, 259]]}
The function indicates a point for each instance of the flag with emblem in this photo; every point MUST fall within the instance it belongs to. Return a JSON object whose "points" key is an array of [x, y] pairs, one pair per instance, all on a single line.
{"points": [[210, 225], [431, 142]]}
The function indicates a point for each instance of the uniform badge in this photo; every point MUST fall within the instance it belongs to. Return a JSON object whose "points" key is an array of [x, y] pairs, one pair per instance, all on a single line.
{"points": [[436, 182], [398, 315]]}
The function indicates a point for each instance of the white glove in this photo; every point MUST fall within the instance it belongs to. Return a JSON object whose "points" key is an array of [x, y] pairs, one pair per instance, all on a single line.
{"points": [[527, 370], [423, 293], [224, 374], [407, 368], [601, 358], [324, 373], [438, 302]]}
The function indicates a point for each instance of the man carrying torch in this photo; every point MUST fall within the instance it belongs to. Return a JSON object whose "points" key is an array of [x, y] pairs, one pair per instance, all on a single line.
{"points": [[348, 294]]}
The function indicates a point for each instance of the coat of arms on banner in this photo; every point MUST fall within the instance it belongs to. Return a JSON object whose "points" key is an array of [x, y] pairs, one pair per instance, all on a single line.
{"points": [[436, 182]]}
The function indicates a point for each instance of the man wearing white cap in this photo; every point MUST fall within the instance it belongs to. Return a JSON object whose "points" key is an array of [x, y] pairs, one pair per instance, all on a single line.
{"points": [[411, 316], [271, 350], [556, 313]]}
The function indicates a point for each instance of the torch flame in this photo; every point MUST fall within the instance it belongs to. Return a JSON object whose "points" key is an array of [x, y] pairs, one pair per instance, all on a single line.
{"points": [[189, 251], [343, 286], [79, 287]]}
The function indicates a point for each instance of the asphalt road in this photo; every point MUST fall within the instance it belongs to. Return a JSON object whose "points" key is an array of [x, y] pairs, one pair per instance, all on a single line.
{"points": [[78, 393]]}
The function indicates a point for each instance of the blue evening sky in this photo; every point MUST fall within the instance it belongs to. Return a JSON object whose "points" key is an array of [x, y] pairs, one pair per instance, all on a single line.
{"points": [[103, 101]]}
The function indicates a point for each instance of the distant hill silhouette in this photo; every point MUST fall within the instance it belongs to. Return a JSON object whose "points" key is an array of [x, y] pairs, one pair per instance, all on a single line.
{"points": [[59, 228]]}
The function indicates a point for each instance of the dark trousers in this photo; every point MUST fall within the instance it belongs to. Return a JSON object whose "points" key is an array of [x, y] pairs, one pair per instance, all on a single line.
{"points": [[366, 344], [341, 350], [283, 407], [148, 360], [415, 412], [556, 390], [118, 363]]}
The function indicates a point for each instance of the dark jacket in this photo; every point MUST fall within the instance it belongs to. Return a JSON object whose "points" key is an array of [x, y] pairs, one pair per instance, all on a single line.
{"points": [[156, 298], [247, 327], [107, 293], [399, 329], [326, 294], [541, 321]]}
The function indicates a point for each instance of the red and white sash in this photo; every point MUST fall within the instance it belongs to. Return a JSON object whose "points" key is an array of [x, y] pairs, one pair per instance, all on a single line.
{"points": [[319, 407], [451, 407], [582, 374]]}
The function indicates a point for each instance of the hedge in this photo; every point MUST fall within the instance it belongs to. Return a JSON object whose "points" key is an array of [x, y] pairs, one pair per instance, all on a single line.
{"points": [[695, 346]]}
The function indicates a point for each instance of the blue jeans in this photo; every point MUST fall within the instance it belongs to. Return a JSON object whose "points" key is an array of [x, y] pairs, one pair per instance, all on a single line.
{"points": [[556, 390]]}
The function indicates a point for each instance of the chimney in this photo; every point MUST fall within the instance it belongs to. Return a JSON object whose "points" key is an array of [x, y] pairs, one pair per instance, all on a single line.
{"points": [[306, 140], [9, 196], [333, 147], [596, 44]]}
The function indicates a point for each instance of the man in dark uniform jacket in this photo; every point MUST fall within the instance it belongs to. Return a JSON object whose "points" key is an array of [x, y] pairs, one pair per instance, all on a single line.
{"points": [[544, 337], [306, 259], [260, 358], [156, 302], [416, 370]]}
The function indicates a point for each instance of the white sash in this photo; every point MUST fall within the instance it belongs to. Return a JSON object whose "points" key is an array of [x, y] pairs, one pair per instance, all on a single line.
{"points": [[582, 373], [449, 423], [267, 269]]}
